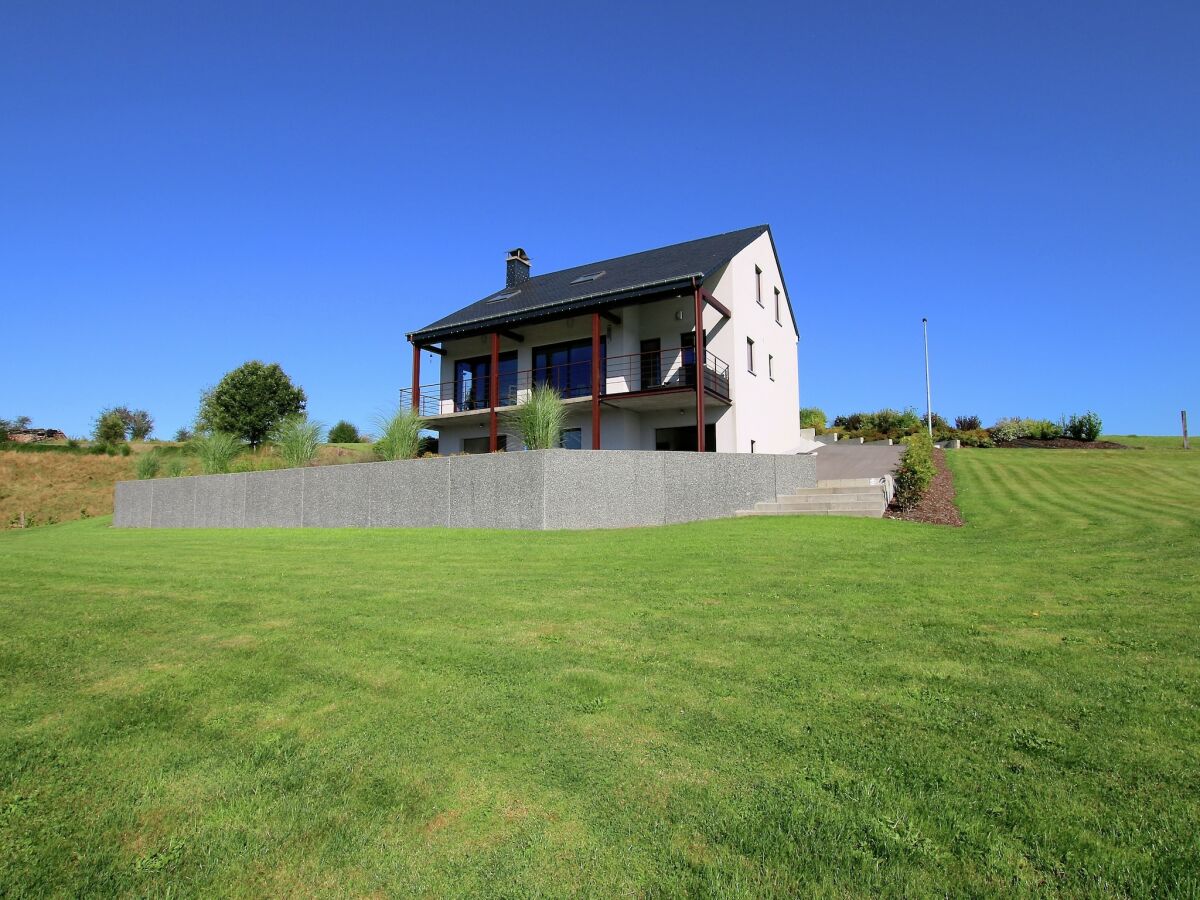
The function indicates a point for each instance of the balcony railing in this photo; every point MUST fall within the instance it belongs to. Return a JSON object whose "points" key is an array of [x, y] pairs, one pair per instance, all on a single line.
{"points": [[654, 370]]}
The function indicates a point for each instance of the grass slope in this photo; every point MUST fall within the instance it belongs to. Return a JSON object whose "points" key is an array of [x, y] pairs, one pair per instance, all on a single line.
{"points": [[46, 480], [759, 706]]}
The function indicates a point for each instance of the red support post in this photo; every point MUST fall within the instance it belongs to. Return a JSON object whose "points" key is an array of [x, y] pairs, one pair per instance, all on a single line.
{"points": [[416, 382], [699, 368], [494, 393], [595, 381]]}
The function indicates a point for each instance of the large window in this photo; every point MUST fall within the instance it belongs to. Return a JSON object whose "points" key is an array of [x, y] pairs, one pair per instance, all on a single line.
{"points": [[482, 444], [750, 355], [568, 366], [471, 382]]}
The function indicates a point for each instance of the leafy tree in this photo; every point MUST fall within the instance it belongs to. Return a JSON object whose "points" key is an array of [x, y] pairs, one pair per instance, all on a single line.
{"points": [[250, 402], [343, 433], [109, 428], [183, 435], [812, 417], [20, 423], [139, 424]]}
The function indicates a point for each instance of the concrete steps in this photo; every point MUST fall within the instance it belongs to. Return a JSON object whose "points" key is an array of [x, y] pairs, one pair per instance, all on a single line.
{"points": [[864, 497]]}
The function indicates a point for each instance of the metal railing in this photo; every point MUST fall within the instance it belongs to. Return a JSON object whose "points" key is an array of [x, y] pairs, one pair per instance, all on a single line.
{"points": [[630, 373]]}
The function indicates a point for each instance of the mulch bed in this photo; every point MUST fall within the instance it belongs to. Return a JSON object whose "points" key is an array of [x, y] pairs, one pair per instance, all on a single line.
{"points": [[937, 506], [1063, 444]]}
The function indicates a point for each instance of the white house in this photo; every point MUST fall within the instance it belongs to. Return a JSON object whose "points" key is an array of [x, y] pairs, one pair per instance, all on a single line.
{"points": [[626, 326]]}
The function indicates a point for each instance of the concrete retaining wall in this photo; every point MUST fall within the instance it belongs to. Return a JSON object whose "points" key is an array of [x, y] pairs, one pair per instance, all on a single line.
{"points": [[539, 490]]}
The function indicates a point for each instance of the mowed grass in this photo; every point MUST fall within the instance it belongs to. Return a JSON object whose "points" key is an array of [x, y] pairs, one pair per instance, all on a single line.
{"points": [[749, 707]]}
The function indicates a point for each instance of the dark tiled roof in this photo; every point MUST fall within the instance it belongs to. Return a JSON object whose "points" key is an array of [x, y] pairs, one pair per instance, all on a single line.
{"points": [[628, 275]]}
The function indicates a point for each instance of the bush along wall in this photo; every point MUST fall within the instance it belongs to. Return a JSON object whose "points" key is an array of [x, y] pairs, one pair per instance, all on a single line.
{"points": [[916, 470]]}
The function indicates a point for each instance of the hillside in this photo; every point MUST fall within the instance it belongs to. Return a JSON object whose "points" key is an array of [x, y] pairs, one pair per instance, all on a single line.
{"points": [[61, 486]]}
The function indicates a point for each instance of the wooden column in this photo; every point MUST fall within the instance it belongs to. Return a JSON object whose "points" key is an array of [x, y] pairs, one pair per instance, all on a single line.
{"points": [[416, 382], [699, 369], [596, 381], [494, 393]]}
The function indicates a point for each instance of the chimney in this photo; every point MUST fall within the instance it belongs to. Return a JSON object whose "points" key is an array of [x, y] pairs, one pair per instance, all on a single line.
{"points": [[516, 268]]}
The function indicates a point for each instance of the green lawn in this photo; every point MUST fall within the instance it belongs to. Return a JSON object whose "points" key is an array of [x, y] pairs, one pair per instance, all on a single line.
{"points": [[760, 706]]}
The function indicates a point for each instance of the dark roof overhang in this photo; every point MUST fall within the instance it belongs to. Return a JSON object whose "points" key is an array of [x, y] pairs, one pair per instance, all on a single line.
{"points": [[558, 310]]}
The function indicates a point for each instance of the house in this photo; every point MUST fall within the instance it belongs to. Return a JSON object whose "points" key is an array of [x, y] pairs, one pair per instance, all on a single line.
{"points": [[619, 339]]}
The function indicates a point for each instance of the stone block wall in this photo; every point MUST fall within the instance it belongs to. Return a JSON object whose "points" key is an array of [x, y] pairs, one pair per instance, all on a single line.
{"points": [[538, 490]]}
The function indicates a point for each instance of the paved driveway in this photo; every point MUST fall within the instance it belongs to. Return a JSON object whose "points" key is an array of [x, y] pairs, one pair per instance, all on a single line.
{"points": [[856, 460]]}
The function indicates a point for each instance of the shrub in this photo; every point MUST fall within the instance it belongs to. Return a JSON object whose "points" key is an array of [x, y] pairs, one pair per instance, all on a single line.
{"points": [[915, 472], [250, 402], [343, 433], [967, 423], [109, 427], [139, 425], [216, 450], [124, 450], [539, 418], [147, 466], [297, 440], [399, 436], [883, 423], [812, 417], [183, 435], [976, 437], [176, 467], [1086, 427], [1041, 429]]}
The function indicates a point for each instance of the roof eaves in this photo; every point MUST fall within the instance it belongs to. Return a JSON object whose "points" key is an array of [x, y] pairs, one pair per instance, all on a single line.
{"points": [[534, 311]]}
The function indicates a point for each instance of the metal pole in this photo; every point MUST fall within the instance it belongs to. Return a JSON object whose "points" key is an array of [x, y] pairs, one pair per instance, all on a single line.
{"points": [[928, 395]]}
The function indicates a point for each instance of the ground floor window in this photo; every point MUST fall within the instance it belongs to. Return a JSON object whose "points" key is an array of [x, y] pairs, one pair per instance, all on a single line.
{"points": [[684, 438], [572, 439], [483, 444]]}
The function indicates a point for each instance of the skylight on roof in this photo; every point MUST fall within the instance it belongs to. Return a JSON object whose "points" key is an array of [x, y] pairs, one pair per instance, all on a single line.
{"points": [[500, 297], [582, 278]]}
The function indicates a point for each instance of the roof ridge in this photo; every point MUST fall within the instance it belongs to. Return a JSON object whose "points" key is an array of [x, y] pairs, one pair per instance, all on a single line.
{"points": [[707, 237]]}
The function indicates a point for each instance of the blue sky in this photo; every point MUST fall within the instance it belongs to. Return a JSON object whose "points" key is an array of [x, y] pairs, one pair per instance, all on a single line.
{"points": [[184, 187]]}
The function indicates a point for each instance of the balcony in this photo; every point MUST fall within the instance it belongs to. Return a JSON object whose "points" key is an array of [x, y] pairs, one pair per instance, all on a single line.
{"points": [[633, 375]]}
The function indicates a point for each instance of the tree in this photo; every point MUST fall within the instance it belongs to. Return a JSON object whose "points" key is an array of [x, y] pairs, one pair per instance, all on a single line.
{"points": [[250, 402], [183, 435], [343, 433], [109, 427], [139, 424], [21, 423]]}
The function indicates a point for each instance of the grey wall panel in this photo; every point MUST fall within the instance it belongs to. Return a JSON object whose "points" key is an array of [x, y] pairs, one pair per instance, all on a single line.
{"points": [[409, 493], [794, 472], [604, 488], [275, 499], [497, 490], [336, 496], [715, 485], [131, 507], [220, 501], [174, 503]]}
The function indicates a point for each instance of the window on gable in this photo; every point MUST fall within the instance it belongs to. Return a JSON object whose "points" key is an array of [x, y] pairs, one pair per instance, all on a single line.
{"points": [[771, 366], [758, 285], [777, 306], [750, 355]]}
